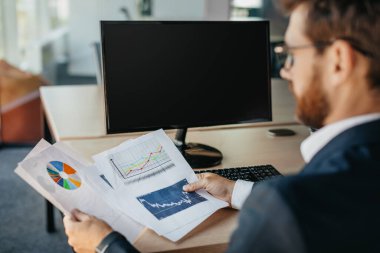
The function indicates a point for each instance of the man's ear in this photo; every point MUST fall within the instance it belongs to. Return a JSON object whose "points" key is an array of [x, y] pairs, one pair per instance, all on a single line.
{"points": [[341, 61]]}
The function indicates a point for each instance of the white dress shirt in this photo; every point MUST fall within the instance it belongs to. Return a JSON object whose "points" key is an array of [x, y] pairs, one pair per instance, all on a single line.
{"points": [[309, 148]]}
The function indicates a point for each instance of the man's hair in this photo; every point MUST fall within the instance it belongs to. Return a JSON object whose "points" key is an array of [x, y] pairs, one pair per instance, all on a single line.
{"points": [[356, 21]]}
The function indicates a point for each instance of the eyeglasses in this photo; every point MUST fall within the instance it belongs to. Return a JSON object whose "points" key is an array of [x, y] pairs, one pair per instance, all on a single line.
{"points": [[285, 57]]}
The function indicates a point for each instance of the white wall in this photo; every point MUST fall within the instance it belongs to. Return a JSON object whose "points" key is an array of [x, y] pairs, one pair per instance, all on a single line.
{"points": [[178, 9], [191, 9], [217, 9], [84, 29], [86, 14]]}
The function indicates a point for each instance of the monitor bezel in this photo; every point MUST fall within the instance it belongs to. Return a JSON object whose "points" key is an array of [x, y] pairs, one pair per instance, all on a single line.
{"points": [[113, 130]]}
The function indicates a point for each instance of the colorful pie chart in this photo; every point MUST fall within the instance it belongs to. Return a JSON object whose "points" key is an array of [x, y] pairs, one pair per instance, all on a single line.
{"points": [[64, 175]]}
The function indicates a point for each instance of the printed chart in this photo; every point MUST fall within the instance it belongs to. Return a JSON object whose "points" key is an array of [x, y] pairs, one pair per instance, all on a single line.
{"points": [[170, 200], [64, 175], [141, 161]]}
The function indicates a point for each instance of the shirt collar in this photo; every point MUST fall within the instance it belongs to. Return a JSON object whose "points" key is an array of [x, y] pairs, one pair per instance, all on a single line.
{"points": [[314, 143]]}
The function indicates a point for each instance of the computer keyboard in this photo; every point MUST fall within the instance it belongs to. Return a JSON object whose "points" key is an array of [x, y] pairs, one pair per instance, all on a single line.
{"points": [[251, 173]]}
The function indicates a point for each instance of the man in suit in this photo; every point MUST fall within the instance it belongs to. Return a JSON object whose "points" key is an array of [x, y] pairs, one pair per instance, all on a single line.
{"points": [[332, 205]]}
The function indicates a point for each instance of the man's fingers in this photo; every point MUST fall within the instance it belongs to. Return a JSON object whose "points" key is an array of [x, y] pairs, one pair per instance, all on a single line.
{"points": [[79, 215], [67, 221], [201, 184]]}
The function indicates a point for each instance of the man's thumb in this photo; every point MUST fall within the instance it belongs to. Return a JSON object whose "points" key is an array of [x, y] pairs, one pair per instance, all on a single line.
{"points": [[194, 186]]}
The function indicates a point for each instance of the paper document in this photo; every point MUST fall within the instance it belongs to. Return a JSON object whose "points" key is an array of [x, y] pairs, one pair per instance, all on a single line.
{"points": [[63, 181], [136, 184]]}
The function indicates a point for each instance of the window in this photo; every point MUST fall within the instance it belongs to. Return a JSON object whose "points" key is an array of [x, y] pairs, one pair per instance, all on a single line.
{"points": [[38, 24], [58, 11]]}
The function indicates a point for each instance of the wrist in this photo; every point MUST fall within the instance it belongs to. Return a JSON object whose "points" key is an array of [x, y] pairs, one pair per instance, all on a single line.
{"points": [[230, 190], [240, 193], [108, 240]]}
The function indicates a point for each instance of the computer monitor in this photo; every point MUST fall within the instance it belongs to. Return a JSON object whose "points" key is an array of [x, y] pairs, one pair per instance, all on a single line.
{"points": [[181, 74]]}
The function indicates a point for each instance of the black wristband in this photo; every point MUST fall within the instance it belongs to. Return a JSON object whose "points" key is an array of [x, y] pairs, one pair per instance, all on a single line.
{"points": [[107, 241]]}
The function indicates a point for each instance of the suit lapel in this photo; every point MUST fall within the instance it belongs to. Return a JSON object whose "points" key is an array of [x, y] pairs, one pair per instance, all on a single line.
{"points": [[361, 135]]}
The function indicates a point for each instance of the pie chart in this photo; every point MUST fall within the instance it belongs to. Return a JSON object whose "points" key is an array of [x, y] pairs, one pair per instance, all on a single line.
{"points": [[64, 175]]}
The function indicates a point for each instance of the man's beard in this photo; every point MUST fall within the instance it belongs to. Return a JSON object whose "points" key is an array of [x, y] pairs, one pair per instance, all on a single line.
{"points": [[313, 107]]}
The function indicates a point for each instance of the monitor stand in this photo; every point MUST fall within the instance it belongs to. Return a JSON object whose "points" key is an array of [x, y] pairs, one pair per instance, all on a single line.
{"points": [[197, 155]]}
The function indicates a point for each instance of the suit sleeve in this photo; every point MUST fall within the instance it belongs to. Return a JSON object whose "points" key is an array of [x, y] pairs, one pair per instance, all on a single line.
{"points": [[117, 244], [266, 224]]}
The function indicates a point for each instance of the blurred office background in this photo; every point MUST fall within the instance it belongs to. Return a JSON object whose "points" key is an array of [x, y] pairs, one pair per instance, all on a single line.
{"points": [[53, 39], [42, 36]]}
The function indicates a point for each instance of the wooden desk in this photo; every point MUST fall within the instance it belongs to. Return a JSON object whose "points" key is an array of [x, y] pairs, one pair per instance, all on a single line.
{"points": [[240, 146], [77, 111]]}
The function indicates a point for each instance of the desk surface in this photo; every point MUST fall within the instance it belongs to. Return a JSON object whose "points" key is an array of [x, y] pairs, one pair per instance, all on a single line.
{"points": [[77, 111], [240, 146]]}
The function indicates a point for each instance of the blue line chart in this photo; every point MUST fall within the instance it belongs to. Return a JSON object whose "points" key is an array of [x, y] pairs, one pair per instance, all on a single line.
{"points": [[170, 200]]}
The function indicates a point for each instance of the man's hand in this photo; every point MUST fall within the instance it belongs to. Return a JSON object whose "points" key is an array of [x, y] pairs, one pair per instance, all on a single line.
{"points": [[216, 185], [85, 232]]}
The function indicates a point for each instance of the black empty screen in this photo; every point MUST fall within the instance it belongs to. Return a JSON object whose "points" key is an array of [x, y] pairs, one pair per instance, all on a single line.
{"points": [[185, 74]]}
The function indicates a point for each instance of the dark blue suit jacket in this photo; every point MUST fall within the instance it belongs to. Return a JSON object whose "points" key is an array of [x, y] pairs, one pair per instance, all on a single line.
{"points": [[333, 205]]}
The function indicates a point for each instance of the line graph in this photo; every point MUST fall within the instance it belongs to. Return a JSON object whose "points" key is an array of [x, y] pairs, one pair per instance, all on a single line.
{"points": [[141, 161], [170, 200]]}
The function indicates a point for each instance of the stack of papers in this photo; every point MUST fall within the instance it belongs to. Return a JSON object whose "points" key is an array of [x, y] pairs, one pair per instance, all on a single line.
{"points": [[134, 185]]}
